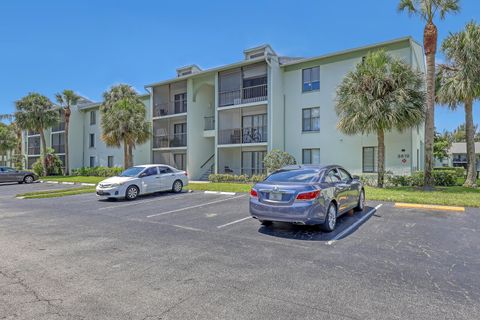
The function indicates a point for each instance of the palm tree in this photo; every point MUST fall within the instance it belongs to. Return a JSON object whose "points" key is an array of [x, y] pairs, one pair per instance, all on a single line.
{"points": [[7, 139], [66, 100], [459, 82], [35, 112], [124, 121], [427, 11], [18, 156], [381, 94]]}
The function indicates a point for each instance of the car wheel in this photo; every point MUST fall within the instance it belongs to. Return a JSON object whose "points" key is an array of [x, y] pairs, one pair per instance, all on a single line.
{"points": [[266, 223], [28, 179], [330, 219], [361, 201], [177, 186], [131, 193]]}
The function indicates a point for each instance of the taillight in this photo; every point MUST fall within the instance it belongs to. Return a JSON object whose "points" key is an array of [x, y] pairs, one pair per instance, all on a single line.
{"points": [[253, 193], [186, 173], [307, 196]]}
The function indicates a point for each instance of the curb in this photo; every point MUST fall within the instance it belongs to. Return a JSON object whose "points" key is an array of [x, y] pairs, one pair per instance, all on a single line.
{"points": [[221, 192], [428, 206], [68, 183]]}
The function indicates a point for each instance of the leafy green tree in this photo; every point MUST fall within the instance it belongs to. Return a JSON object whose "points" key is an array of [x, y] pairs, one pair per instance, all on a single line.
{"points": [[428, 10], [124, 121], [36, 112], [66, 100], [459, 83], [8, 139], [441, 146], [18, 157], [277, 159], [380, 95]]}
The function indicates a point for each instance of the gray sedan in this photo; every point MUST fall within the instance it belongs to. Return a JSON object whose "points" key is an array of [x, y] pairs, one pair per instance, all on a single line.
{"points": [[307, 194], [8, 174]]}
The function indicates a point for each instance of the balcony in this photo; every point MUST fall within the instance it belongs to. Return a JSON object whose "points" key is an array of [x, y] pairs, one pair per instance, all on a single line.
{"points": [[243, 135], [58, 148], [59, 127], [244, 95], [209, 123], [243, 170], [170, 141], [33, 150], [169, 108]]}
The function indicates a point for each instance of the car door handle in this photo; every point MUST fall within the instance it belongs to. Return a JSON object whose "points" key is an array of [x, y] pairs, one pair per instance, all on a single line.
{"points": [[157, 177]]}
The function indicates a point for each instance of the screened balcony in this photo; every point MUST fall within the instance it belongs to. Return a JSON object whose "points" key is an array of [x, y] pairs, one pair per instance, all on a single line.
{"points": [[243, 85], [170, 99]]}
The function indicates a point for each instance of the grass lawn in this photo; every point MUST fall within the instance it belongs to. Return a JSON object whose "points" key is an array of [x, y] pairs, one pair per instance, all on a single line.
{"points": [[77, 179], [56, 193], [226, 187]]}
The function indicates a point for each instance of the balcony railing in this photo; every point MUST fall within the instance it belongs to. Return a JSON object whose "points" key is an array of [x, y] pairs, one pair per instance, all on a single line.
{"points": [[170, 141], [58, 148], [243, 95], [243, 170], [209, 123], [169, 108], [243, 135], [59, 127]]}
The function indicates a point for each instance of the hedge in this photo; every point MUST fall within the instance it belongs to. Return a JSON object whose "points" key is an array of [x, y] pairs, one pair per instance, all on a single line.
{"points": [[236, 178], [459, 171], [442, 178], [97, 171]]}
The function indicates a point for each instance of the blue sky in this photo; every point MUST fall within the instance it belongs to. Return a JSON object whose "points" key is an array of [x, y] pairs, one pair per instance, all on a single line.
{"points": [[47, 46]]}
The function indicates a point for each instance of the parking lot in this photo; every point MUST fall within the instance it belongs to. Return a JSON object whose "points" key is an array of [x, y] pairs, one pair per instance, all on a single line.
{"points": [[200, 256]]}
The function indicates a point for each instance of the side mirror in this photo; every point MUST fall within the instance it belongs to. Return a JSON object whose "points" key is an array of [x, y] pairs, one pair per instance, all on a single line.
{"points": [[143, 174], [354, 177]]}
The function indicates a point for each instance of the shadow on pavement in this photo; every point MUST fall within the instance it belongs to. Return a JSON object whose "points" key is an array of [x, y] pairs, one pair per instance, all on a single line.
{"points": [[314, 233]]}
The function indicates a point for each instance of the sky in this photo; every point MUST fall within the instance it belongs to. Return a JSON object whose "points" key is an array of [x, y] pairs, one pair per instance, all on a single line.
{"points": [[88, 46]]}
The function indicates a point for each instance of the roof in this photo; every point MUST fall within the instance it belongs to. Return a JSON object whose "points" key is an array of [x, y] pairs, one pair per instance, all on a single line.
{"points": [[285, 61], [461, 147]]}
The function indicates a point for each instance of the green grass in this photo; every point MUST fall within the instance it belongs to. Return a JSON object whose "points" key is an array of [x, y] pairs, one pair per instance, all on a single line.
{"points": [[56, 193], [460, 181], [452, 196], [76, 179], [226, 187]]}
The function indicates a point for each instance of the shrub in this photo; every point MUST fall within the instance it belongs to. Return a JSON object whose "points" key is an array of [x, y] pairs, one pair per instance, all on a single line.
{"points": [[459, 171], [277, 159], [97, 171], [443, 178], [232, 178], [54, 165]]}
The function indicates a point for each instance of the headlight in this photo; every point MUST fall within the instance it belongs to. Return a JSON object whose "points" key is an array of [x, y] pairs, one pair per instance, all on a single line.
{"points": [[118, 184]]}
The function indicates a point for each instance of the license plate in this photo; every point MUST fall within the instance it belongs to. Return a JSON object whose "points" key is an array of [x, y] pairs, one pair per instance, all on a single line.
{"points": [[275, 196]]}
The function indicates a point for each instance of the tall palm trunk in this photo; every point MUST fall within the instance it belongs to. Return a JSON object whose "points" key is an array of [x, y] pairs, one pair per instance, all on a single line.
{"points": [[430, 46], [471, 180], [381, 158], [18, 149], [43, 152], [67, 127], [130, 154], [125, 154]]}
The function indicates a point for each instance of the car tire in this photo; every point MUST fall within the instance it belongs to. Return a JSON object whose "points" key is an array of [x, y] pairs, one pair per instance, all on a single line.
{"points": [[330, 219], [28, 179], [266, 223], [131, 193], [177, 186], [361, 201]]}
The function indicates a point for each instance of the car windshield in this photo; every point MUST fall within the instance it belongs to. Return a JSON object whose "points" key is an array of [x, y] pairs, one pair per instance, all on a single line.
{"points": [[131, 172], [302, 176]]}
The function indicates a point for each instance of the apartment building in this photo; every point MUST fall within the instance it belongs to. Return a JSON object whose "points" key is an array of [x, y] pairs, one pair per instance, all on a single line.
{"points": [[226, 119]]}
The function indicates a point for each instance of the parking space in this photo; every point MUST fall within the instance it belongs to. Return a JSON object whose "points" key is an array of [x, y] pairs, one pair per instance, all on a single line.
{"points": [[9, 190], [197, 255]]}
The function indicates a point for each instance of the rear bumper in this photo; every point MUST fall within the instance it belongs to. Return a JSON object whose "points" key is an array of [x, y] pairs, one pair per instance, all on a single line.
{"points": [[308, 213]]}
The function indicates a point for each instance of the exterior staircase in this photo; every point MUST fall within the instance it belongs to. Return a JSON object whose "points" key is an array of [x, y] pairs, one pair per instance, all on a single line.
{"points": [[208, 172]]}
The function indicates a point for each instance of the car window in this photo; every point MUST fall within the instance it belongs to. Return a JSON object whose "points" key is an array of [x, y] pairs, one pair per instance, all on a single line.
{"points": [[131, 172], [332, 176], [300, 175], [1, 169], [344, 175], [151, 171], [7, 169], [164, 170]]}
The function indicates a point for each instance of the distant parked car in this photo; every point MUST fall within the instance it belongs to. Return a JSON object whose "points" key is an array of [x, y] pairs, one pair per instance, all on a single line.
{"points": [[144, 179], [307, 195], [8, 174]]}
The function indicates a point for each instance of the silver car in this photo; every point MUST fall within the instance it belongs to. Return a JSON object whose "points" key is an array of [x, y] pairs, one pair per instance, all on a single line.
{"points": [[141, 180], [307, 195], [8, 174]]}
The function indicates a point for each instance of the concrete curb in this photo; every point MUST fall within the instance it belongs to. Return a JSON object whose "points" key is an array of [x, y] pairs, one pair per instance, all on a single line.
{"points": [[428, 206], [221, 192], [68, 183]]}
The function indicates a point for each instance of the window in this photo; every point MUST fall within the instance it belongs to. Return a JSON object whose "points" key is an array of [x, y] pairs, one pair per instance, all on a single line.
{"points": [[33, 145], [180, 102], [92, 140], [344, 175], [311, 119], [311, 156], [31, 161], [110, 161], [180, 160], [252, 162], [296, 175], [164, 170], [179, 135], [93, 117], [254, 128], [150, 172], [311, 79], [369, 159], [92, 162], [58, 142], [332, 176]]}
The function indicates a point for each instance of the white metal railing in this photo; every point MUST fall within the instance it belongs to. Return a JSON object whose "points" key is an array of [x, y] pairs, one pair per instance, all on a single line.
{"points": [[169, 108], [243, 95], [243, 135], [170, 141]]}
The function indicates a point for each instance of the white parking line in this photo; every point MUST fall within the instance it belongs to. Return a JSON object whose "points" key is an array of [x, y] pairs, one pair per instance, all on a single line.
{"points": [[233, 222], [344, 232], [187, 228], [193, 207]]}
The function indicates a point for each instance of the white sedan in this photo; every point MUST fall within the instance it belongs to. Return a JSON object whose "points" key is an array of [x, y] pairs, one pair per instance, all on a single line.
{"points": [[144, 179]]}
